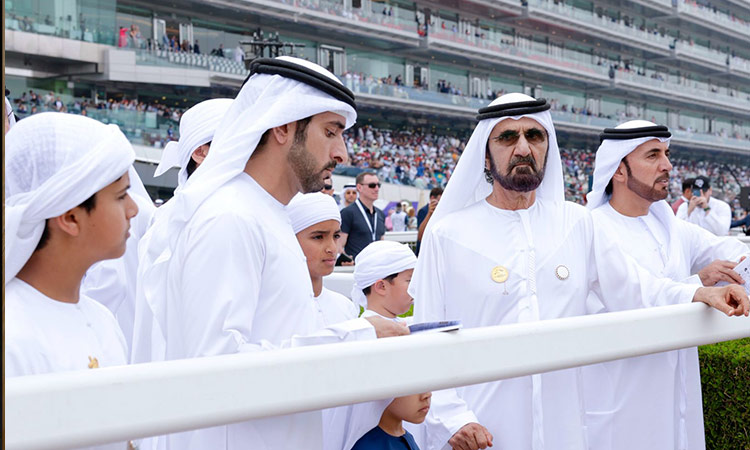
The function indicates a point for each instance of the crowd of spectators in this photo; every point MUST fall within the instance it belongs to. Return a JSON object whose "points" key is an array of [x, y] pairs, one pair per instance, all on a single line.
{"points": [[31, 103], [420, 158], [409, 157]]}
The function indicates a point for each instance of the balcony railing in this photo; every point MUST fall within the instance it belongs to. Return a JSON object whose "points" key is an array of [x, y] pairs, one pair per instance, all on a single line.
{"points": [[604, 23], [69, 28], [704, 13], [208, 62], [568, 59], [698, 90], [371, 16]]}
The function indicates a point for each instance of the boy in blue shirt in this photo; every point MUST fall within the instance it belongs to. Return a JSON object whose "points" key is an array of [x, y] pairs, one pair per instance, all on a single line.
{"points": [[390, 433]]}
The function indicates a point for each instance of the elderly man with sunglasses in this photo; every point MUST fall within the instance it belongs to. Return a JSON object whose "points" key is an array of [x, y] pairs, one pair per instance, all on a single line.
{"points": [[504, 247], [361, 222]]}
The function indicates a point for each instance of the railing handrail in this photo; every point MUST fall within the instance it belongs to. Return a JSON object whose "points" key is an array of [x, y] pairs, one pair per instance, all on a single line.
{"points": [[118, 403]]}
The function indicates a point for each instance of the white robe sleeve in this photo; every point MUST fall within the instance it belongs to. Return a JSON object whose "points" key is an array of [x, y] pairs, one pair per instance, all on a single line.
{"points": [[622, 284], [706, 247], [448, 411], [222, 312]]}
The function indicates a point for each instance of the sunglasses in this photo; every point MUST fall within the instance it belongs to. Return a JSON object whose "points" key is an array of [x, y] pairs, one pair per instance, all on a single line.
{"points": [[372, 185], [328, 187]]}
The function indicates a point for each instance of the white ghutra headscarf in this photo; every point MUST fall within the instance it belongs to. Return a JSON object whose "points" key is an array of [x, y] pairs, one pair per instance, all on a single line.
{"points": [[377, 261], [53, 163], [608, 157], [467, 185], [197, 127], [305, 210]]}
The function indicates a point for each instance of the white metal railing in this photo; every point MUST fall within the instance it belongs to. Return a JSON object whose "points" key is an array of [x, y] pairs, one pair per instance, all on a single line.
{"points": [[401, 236], [114, 404]]}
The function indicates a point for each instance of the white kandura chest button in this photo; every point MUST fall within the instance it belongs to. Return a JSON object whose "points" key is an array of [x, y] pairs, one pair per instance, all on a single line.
{"points": [[562, 272]]}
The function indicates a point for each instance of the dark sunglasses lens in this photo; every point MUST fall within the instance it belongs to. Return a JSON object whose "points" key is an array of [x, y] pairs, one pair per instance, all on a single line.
{"points": [[373, 185], [328, 187]]}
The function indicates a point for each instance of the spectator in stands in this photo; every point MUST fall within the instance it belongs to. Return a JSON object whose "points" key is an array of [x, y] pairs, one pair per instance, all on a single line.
{"points": [[267, 149], [74, 212], [630, 184], [744, 223], [389, 220], [196, 48], [362, 222], [197, 128], [687, 194], [218, 51], [411, 219], [398, 219], [239, 53], [510, 184], [425, 213], [706, 211], [350, 195]]}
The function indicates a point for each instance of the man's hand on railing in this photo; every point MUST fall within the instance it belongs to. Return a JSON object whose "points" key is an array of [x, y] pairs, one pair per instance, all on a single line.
{"points": [[471, 436], [387, 328], [720, 271], [732, 300]]}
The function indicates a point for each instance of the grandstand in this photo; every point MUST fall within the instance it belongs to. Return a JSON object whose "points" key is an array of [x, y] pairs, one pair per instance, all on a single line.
{"points": [[419, 69]]}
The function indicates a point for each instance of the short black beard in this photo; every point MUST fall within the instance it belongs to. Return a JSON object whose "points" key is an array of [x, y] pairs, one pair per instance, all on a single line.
{"points": [[526, 179], [303, 164], [643, 190]]}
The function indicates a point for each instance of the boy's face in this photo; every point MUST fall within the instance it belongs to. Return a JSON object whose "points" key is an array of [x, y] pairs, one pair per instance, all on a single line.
{"points": [[319, 243], [411, 408], [105, 229], [398, 300]]}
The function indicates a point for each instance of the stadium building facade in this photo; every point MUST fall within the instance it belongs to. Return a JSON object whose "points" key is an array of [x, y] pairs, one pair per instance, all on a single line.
{"points": [[424, 64]]}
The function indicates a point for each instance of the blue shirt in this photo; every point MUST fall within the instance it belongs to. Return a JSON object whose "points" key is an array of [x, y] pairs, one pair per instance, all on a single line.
{"points": [[377, 439]]}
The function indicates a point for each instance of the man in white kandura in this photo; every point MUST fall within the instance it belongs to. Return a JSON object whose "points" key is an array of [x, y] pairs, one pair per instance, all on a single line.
{"points": [[652, 401], [66, 207], [504, 247], [223, 272]]}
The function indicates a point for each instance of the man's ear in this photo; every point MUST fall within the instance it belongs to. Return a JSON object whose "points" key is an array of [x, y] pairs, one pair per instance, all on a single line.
{"points": [[200, 154], [620, 174], [69, 222], [282, 134]]}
